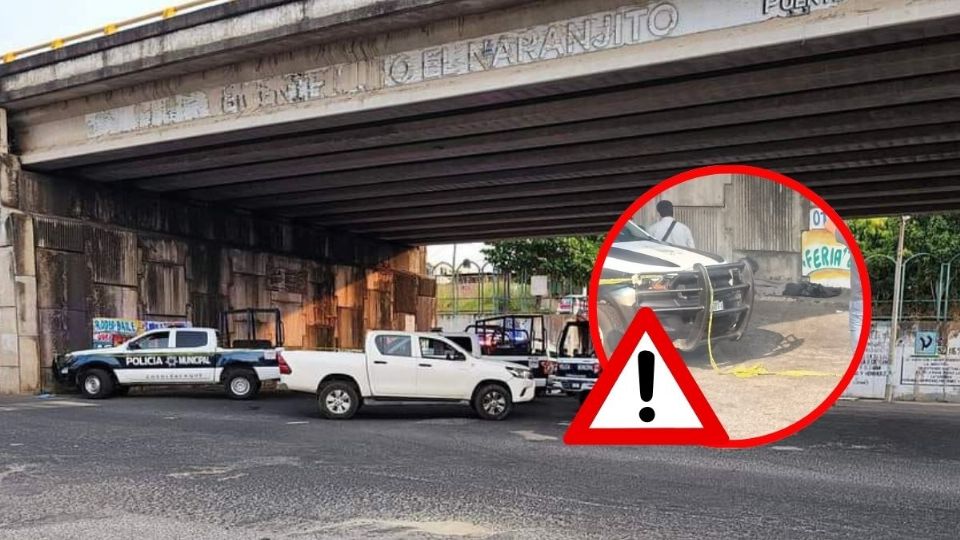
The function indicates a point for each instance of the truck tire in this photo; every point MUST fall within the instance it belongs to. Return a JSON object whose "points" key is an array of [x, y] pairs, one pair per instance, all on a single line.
{"points": [[338, 400], [96, 383], [241, 384], [492, 401]]}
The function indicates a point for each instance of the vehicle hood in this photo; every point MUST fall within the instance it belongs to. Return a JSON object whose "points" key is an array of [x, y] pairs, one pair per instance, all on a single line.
{"points": [[496, 362], [640, 256], [105, 350], [578, 360]]}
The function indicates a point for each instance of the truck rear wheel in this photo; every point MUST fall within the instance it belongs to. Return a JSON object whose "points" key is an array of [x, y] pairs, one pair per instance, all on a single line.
{"points": [[338, 400], [96, 384], [493, 402], [241, 384]]}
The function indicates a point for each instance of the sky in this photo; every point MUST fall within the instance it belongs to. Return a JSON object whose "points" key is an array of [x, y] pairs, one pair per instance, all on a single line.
{"points": [[23, 24], [42, 21]]}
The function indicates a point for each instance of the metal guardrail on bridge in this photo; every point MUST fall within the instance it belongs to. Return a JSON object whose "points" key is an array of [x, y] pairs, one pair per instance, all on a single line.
{"points": [[109, 29]]}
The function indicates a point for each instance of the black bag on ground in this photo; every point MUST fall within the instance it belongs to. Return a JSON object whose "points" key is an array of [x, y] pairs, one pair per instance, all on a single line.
{"points": [[812, 290]]}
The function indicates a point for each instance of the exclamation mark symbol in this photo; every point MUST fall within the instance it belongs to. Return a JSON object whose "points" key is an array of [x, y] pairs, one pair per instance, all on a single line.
{"points": [[645, 372]]}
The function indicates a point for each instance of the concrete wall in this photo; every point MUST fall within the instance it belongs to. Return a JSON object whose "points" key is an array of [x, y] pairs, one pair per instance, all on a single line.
{"points": [[71, 251], [737, 216], [916, 374]]}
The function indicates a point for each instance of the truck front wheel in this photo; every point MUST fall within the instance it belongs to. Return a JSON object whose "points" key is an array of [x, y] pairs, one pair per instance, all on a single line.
{"points": [[493, 402], [96, 384], [338, 400]]}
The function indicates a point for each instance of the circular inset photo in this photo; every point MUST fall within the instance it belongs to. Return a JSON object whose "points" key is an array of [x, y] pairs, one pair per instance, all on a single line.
{"points": [[757, 282]]}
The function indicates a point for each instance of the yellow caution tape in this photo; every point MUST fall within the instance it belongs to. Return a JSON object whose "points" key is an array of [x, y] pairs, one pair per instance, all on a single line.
{"points": [[756, 370], [615, 281]]}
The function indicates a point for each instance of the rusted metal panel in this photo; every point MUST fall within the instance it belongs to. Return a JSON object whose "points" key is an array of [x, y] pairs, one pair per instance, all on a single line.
{"points": [[113, 301], [164, 250], [706, 226], [350, 330], [204, 268], [405, 292], [426, 313], [62, 331], [205, 309], [248, 291], [427, 287], [60, 235], [286, 275], [294, 327], [113, 256], [164, 290], [63, 280], [247, 262], [767, 216]]}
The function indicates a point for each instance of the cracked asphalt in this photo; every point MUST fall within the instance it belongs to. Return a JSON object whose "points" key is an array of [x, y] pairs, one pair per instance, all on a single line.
{"points": [[194, 464]]}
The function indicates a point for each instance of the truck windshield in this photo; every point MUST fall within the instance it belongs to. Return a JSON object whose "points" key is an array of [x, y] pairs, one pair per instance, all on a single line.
{"points": [[633, 232]]}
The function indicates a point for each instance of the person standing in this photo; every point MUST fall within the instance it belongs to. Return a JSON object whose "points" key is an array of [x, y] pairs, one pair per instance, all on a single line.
{"points": [[856, 290], [669, 230]]}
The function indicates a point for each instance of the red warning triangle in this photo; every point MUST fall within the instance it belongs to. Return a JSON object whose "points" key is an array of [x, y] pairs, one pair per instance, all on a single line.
{"points": [[676, 411]]}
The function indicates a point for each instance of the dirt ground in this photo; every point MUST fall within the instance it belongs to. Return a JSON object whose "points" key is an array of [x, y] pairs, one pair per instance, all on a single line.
{"points": [[785, 334]]}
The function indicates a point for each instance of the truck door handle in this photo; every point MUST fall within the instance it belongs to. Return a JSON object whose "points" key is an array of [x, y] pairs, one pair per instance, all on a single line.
{"points": [[426, 365], [379, 361]]}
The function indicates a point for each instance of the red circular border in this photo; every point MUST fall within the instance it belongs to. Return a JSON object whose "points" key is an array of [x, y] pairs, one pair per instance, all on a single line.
{"points": [[810, 195]]}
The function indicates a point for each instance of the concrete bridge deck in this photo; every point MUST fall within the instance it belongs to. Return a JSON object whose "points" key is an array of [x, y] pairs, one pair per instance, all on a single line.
{"points": [[434, 121]]}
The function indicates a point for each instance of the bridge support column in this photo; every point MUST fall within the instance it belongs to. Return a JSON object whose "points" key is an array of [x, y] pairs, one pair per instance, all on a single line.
{"points": [[20, 370]]}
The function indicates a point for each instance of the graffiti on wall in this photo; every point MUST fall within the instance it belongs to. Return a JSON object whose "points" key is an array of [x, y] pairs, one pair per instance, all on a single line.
{"points": [[110, 332], [871, 377], [927, 362]]}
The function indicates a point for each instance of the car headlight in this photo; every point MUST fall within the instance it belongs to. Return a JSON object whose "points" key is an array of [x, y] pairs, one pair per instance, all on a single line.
{"points": [[520, 373]]}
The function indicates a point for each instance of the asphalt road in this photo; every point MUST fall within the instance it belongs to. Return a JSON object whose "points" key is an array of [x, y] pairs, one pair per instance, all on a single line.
{"points": [[200, 466]]}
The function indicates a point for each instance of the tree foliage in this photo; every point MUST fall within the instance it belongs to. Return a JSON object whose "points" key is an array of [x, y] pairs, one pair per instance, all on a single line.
{"points": [[930, 239], [567, 259]]}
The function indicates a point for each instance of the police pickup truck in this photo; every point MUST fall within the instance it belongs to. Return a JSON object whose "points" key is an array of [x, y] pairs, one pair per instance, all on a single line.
{"points": [[166, 357], [577, 363]]}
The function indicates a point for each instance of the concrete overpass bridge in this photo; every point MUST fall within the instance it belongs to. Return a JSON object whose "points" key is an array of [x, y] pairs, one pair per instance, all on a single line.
{"points": [[343, 132]]}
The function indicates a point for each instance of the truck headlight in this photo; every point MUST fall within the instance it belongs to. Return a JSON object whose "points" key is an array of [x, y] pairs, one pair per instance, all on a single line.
{"points": [[652, 282], [520, 373]]}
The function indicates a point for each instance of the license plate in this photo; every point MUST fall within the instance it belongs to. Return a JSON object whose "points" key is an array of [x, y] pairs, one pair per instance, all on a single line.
{"points": [[564, 366], [586, 367], [717, 305], [574, 386]]}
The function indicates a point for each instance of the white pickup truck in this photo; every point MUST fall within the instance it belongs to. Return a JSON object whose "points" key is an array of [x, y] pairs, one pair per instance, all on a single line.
{"points": [[406, 366]]}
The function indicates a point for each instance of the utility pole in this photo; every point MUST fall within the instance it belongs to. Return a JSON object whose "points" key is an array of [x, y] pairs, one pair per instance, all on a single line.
{"points": [[455, 283], [895, 314]]}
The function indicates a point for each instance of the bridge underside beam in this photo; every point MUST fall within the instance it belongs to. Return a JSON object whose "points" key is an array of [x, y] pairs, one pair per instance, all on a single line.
{"points": [[870, 120]]}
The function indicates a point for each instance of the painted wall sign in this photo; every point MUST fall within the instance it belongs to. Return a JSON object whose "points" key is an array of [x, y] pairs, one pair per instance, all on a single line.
{"points": [[624, 26], [871, 378], [824, 259], [109, 332], [927, 363], [926, 343], [818, 219], [634, 24]]}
